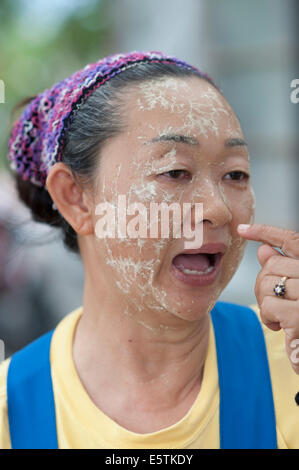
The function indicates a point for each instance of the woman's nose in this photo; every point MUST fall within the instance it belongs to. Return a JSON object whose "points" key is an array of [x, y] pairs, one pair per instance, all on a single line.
{"points": [[216, 207]]}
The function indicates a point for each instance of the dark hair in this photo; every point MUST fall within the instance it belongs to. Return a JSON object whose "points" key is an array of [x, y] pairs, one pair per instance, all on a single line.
{"points": [[99, 118]]}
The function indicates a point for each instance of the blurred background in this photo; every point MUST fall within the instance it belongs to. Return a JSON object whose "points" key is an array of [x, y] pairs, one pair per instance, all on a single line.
{"points": [[251, 50]]}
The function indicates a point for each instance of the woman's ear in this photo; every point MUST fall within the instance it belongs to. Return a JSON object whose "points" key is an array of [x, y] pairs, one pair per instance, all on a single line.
{"points": [[70, 198]]}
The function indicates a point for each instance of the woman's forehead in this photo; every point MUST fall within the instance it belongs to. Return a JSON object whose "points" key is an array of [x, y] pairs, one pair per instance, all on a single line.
{"points": [[171, 93], [189, 106]]}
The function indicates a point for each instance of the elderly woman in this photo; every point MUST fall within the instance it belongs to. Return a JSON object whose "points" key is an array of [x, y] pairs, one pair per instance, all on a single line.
{"points": [[151, 359]]}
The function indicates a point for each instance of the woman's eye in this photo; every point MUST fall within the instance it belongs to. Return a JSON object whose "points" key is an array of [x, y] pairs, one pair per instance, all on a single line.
{"points": [[177, 174], [238, 175]]}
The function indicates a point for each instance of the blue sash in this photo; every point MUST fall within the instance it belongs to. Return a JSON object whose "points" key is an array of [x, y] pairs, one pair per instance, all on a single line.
{"points": [[247, 417], [30, 399]]}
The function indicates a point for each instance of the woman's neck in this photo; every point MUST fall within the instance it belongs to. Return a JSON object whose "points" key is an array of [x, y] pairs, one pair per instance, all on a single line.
{"points": [[133, 357]]}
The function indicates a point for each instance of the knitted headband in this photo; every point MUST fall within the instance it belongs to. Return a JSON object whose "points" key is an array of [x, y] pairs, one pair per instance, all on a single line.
{"points": [[37, 139]]}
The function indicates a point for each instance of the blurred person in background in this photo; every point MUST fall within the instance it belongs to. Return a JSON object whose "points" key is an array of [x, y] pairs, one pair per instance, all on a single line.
{"points": [[24, 313]]}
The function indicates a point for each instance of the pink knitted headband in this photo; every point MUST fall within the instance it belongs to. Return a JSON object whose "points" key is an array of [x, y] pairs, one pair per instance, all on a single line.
{"points": [[37, 139]]}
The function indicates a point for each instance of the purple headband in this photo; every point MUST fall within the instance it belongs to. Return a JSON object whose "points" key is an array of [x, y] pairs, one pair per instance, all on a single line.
{"points": [[37, 139]]}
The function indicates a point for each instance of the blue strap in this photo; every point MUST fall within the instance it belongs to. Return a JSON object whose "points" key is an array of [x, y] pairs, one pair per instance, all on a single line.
{"points": [[30, 400], [247, 415]]}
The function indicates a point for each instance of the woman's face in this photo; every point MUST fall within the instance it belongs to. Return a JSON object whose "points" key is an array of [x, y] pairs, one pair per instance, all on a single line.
{"points": [[146, 163]]}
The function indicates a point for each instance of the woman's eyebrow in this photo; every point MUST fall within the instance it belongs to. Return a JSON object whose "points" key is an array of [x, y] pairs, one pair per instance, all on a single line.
{"points": [[234, 142], [184, 139]]}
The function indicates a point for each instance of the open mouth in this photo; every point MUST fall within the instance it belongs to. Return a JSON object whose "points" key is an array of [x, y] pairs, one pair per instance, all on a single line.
{"points": [[197, 263]]}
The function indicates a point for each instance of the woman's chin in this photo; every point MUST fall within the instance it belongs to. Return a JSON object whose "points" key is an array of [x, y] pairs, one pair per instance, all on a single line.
{"points": [[189, 306]]}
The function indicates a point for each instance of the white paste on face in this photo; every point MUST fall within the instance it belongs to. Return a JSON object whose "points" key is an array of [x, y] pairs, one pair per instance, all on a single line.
{"points": [[200, 117], [136, 273], [154, 93]]}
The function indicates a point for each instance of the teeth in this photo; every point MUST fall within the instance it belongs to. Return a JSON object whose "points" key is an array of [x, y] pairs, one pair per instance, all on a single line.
{"points": [[191, 271]]}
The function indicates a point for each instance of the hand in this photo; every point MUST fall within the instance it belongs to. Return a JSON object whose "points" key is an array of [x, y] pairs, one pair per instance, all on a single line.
{"points": [[278, 312]]}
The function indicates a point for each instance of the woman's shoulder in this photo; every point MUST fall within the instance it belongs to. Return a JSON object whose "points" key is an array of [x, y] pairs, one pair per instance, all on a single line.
{"points": [[66, 324], [276, 351], [285, 384], [63, 329]]}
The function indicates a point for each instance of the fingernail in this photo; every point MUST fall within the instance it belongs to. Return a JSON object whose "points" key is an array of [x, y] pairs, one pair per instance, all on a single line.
{"points": [[243, 227]]}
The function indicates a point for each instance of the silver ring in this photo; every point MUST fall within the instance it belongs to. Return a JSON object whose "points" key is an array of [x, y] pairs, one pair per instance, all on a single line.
{"points": [[280, 288]]}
